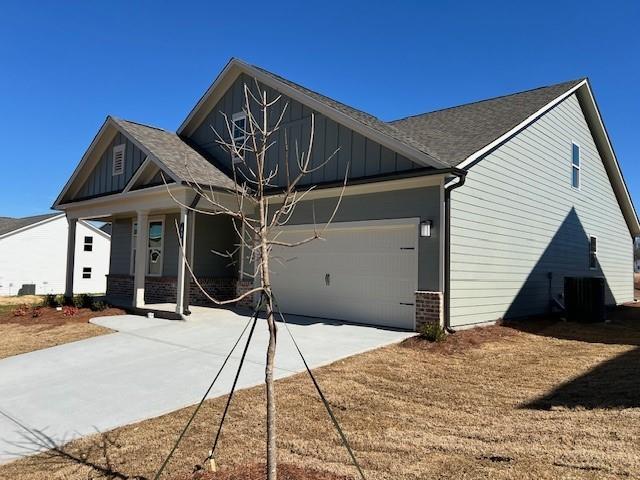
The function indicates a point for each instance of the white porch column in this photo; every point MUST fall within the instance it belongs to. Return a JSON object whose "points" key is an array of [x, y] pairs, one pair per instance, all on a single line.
{"points": [[184, 233], [140, 268], [71, 256]]}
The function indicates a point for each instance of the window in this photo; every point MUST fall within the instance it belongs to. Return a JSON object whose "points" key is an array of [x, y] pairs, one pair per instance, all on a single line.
{"points": [[593, 253], [118, 160], [575, 165], [88, 244], [239, 132], [155, 247], [86, 272], [154, 259]]}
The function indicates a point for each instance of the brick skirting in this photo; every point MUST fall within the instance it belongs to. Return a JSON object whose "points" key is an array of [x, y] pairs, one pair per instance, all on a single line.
{"points": [[243, 286], [164, 289], [429, 308]]}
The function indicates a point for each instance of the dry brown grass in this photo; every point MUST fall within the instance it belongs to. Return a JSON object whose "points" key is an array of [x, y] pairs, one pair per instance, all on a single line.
{"points": [[26, 333], [24, 299], [544, 400]]}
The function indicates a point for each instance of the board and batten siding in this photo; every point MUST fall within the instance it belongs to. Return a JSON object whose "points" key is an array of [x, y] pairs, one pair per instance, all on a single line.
{"points": [[101, 180], [364, 156], [518, 227]]}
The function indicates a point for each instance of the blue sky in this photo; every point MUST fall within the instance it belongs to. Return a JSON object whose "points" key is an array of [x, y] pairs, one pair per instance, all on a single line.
{"points": [[65, 65]]}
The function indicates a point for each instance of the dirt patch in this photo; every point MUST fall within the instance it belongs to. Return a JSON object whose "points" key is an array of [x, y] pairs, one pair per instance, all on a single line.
{"points": [[546, 401], [257, 471], [461, 341], [22, 334]]}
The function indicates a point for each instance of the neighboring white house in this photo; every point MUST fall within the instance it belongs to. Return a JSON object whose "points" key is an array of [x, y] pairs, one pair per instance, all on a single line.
{"points": [[33, 251]]}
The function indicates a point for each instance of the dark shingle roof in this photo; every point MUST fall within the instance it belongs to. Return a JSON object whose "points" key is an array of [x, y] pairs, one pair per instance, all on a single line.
{"points": [[8, 224], [176, 155], [455, 133], [363, 117]]}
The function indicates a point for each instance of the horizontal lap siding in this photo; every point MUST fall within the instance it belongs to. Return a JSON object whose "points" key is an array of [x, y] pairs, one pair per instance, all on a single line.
{"points": [[517, 219], [362, 156]]}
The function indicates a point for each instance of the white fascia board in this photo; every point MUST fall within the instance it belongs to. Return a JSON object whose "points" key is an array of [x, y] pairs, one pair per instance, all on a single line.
{"points": [[521, 126], [101, 132], [135, 176], [32, 225], [239, 66]]}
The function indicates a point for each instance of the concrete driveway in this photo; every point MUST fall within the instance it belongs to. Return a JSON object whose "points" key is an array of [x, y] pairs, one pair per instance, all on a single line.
{"points": [[150, 367]]}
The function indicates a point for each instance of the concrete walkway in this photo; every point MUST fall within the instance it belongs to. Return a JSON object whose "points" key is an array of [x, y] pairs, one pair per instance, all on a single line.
{"points": [[150, 367]]}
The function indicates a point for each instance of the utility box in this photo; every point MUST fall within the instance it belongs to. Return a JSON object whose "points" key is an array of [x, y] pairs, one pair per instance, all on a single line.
{"points": [[584, 299]]}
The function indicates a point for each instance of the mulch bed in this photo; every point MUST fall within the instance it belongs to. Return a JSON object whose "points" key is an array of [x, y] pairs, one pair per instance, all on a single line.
{"points": [[50, 317], [461, 341], [257, 471]]}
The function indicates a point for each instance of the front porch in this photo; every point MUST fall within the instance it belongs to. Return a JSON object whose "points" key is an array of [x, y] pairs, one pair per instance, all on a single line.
{"points": [[173, 242]]}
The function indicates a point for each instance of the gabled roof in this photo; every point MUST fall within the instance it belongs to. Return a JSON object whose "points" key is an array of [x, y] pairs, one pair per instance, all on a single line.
{"points": [[453, 134], [171, 153], [9, 225], [175, 155], [357, 120]]}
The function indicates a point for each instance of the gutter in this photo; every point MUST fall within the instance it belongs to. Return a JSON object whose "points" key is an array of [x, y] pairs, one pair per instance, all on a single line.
{"points": [[461, 175]]}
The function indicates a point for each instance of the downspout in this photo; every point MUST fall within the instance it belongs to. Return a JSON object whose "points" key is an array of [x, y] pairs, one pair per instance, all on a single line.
{"points": [[461, 175]]}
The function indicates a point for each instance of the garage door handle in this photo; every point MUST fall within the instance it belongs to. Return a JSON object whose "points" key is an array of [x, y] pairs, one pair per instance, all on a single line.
{"points": [[404, 303], [327, 279]]}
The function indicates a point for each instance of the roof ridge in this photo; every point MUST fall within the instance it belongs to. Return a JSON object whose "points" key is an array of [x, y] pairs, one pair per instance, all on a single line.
{"points": [[117, 119], [475, 102]]}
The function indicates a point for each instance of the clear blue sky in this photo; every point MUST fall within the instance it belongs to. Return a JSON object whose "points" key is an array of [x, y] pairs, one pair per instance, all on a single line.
{"points": [[65, 65]]}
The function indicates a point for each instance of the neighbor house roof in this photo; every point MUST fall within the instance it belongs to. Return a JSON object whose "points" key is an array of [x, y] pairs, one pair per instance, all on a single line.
{"points": [[8, 224], [175, 155], [453, 134]]}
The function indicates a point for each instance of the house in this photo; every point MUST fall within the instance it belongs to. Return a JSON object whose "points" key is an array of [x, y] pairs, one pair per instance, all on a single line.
{"points": [[460, 216], [33, 255]]}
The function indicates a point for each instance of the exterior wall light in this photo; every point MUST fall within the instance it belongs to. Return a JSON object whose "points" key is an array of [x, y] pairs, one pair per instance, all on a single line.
{"points": [[425, 228]]}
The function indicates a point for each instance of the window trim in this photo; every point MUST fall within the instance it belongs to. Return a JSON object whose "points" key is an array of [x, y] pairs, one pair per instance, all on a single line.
{"points": [[578, 167], [88, 243], [118, 148], [235, 117], [594, 253], [86, 273], [132, 265], [158, 218]]}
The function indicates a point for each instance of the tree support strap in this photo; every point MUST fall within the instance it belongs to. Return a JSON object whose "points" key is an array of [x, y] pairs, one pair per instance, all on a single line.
{"points": [[204, 397], [345, 442]]}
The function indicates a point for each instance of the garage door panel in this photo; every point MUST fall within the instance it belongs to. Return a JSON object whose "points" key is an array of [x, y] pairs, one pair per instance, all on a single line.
{"points": [[365, 274]]}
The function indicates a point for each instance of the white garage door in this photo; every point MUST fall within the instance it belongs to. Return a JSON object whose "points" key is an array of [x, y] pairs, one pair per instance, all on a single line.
{"points": [[365, 272]]}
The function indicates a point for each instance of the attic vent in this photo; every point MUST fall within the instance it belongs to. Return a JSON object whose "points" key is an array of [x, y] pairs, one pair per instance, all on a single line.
{"points": [[118, 159]]}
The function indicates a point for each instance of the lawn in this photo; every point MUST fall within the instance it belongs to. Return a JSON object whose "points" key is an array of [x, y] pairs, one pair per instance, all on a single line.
{"points": [[536, 400], [21, 334]]}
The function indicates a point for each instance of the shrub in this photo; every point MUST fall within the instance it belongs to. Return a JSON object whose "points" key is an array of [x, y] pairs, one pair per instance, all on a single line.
{"points": [[50, 300], [21, 310], [98, 306], [432, 332], [69, 311]]}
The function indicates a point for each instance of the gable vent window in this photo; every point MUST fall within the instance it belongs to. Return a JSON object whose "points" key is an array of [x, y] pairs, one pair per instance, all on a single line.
{"points": [[593, 253], [86, 272], [238, 131], [575, 166], [88, 244], [118, 160]]}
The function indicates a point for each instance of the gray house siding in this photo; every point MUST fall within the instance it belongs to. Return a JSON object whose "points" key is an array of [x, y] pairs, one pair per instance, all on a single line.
{"points": [[120, 261], [211, 233], [366, 157], [214, 233], [423, 203], [518, 227], [101, 180]]}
